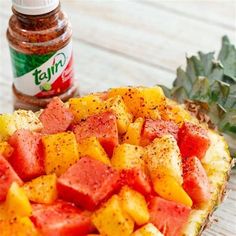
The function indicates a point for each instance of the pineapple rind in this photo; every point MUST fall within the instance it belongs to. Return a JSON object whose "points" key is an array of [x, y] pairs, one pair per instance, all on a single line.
{"points": [[217, 163]]}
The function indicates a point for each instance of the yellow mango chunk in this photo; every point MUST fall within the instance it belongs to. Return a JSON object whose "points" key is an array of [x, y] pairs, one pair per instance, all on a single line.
{"points": [[147, 230], [163, 154], [42, 189], [111, 220], [2, 212], [134, 204], [17, 204], [7, 126], [168, 188], [133, 134], [6, 149], [85, 106], [60, 152], [127, 156], [123, 117], [91, 147], [18, 227]]}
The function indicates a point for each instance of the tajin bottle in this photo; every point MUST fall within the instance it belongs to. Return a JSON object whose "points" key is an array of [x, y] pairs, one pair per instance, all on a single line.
{"points": [[39, 36]]}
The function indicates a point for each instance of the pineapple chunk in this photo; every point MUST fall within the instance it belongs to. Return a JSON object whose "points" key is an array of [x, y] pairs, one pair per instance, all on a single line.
{"points": [[133, 134], [163, 155], [127, 156], [85, 106], [168, 188], [6, 149], [123, 117], [147, 230], [92, 148], [17, 204], [60, 152], [7, 126], [18, 227], [134, 204], [42, 189], [111, 220]]}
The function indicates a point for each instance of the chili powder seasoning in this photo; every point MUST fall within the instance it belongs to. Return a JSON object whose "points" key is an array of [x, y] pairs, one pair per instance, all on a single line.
{"points": [[39, 36]]}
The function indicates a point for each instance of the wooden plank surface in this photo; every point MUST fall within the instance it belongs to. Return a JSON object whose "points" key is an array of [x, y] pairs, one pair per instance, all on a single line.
{"points": [[138, 42]]}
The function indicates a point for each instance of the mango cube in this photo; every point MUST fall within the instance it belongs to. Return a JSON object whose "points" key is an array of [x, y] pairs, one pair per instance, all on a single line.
{"points": [[7, 126], [127, 156], [123, 117], [134, 204], [111, 220], [6, 149], [85, 106], [60, 152], [147, 230], [133, 134], [91, 147], [42, 189], [17, 204]]}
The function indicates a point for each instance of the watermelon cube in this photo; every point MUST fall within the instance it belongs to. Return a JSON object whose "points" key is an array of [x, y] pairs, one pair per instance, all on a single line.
{"points": [[196, 183], [88, 182], [193, 140], [26, 159], [102, 126], [56, 117], [61, 218], [7, 177], [168, 216]]}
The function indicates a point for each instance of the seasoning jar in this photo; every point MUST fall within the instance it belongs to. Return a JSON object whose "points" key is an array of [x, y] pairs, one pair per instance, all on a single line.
{"points": [[39, 36]]}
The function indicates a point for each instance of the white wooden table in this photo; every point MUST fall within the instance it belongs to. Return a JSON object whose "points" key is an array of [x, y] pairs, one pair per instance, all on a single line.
{"points": [[138, 43]]}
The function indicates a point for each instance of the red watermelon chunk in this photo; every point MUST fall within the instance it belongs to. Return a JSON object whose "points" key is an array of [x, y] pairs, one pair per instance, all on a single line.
{"points": [[7, 177], [193, 140], [157, 128], [61, 218], [56, 117], [169, 217], [102, 126], [27, 158], [136, 179], [196, 183], [88, 182]]}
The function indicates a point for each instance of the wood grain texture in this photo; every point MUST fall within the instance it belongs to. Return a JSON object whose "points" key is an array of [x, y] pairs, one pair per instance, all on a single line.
{"points": [[138, 43]]}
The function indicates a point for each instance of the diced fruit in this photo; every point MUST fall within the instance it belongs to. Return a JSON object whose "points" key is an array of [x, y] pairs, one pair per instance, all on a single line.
{"points": [[102, 126], [193, 140], [92, 148], [137, 179], [85, 106], [127, 156], [111, 220], [118, 107], [7, 177], [175, 112], [6, 149], [163, 155], [17, 204], [196, 183], [42, 189], [26, 159], [60, 152], [169, 217], [88, 182], [61, 218], [56, 117], [18, 227], [134, 204], [7, 126], [168, 188], [147, 230], [156, 129], [133, 134], [27, 120]]}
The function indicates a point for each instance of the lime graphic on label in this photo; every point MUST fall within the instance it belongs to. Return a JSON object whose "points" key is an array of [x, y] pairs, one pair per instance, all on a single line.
{"points": [[46, 87]]}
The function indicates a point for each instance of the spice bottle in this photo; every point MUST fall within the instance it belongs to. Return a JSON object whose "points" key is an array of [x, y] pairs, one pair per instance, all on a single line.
{"points": [[39, 36]]}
